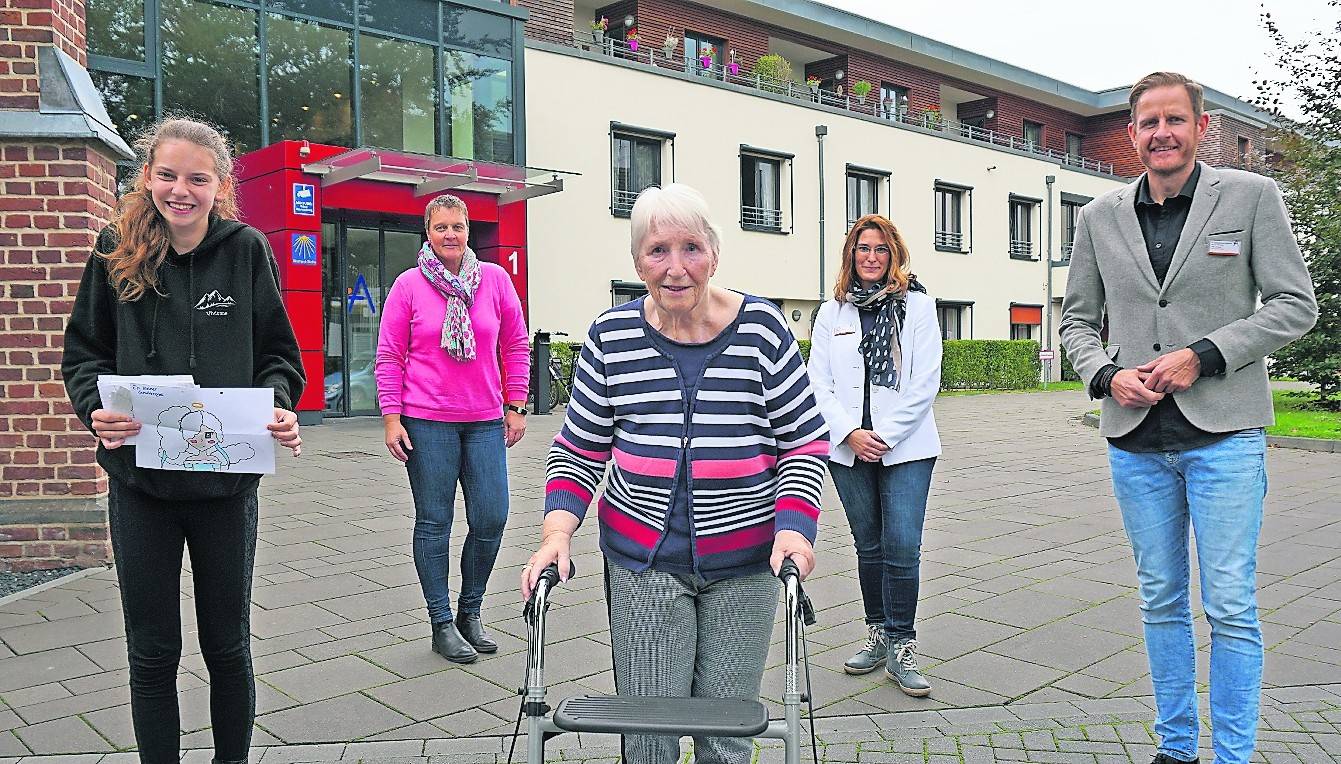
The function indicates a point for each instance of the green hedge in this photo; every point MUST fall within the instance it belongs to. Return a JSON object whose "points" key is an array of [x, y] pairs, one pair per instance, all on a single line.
{"points": [[965, 364], [990, 365]]}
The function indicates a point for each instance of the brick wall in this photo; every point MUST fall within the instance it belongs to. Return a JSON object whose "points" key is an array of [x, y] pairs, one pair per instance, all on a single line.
{"points": [[57, 194], [1220, 146], [549, 20], [1106, 139]]}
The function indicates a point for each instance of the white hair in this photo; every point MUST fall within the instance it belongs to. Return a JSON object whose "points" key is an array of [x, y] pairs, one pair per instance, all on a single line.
{"points": [[674, 206]]}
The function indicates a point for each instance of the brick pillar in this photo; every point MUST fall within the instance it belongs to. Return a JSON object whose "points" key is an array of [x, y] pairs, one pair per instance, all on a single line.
{"points": [[58, 193]]}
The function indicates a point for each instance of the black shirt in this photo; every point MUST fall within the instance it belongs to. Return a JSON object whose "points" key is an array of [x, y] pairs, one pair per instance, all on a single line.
{"points": [[1165, 428]]}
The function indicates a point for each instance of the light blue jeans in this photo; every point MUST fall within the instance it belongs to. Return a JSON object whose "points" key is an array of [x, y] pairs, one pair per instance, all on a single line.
{"points": [[1218, 490]]}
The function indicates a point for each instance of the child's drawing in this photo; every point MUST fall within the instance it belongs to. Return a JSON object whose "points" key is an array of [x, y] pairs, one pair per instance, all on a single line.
{"points": [[193, 439]]}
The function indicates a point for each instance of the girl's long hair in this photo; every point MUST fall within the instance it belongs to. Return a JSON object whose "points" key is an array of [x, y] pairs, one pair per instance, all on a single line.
{"points": [[142, 239], [897, 275]]}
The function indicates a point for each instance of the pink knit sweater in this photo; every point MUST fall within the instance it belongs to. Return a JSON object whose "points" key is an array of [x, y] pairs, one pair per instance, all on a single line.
{"points": [[417, 378]]}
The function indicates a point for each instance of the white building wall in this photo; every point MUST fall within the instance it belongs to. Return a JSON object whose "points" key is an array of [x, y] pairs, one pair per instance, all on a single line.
{"points": [[576, 247]]}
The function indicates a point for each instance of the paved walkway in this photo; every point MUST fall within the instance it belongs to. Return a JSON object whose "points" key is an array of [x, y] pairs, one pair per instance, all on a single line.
{"points": [[1028, 618]]}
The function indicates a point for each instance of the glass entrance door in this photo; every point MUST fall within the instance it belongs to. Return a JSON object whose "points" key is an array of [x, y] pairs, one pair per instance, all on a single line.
{"points": [[362, 261]]}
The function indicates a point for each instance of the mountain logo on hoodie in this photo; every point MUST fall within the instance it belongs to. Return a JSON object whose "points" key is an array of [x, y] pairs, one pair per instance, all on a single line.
{"points": [[215, 304]]}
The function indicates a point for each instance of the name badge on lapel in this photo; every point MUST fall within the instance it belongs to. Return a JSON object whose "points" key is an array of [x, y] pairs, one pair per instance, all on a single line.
{"points": [[1223, 247], [842, 330]]}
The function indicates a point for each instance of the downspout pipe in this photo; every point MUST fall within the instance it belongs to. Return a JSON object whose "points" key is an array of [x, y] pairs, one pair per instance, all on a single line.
{"points": [[820, 132]]}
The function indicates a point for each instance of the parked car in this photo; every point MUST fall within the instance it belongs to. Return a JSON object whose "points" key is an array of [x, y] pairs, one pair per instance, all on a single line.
{"points": [[362, 387]]}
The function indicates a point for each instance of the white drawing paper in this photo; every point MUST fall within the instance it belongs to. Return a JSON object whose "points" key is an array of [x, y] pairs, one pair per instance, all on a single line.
{"points": [[117, 390], [207, 429]]}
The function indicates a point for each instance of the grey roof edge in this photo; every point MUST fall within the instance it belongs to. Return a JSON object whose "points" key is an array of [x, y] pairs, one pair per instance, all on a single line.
{"points": [[69, 106], [1101, 101]]}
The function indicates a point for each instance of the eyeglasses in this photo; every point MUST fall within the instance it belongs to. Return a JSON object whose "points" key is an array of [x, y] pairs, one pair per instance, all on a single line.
{"points": [[864, 250]]}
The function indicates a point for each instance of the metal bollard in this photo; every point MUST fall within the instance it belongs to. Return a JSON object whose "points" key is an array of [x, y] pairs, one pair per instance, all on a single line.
{"points": [[540, 381]]}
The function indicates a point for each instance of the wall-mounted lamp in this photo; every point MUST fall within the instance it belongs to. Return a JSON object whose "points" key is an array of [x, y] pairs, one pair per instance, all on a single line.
{"points": [[304, 149], [990, 114], [838, 75], [796, 315], [628, 21]]}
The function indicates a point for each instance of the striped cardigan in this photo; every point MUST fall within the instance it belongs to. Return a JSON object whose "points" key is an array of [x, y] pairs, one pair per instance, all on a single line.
{"points": [[758, 443]]}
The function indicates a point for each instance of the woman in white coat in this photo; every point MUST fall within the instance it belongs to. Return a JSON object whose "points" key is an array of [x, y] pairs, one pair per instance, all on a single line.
{"points": [[875, 364]]}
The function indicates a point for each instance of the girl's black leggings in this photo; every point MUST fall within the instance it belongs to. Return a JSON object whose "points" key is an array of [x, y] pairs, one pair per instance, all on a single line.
{"points": [[148, 535]]}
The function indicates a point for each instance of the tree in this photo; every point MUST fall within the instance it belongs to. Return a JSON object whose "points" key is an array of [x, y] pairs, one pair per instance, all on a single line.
{"points": [[1308, 169]]}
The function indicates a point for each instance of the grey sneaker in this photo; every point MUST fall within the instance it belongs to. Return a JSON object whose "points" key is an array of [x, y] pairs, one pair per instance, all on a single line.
{"points": [[871, 655], [902, 668]]}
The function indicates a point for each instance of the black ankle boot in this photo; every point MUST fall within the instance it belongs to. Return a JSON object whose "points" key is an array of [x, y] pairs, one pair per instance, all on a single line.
{"points": [[472, 628], [449, 643]]}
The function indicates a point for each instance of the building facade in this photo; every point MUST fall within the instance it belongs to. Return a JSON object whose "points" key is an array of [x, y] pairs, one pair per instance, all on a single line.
{"points": [[792, 117]]}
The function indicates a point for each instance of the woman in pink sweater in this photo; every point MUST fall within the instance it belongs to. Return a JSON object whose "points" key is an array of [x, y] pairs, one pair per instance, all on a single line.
{"points": [[453, 369]]}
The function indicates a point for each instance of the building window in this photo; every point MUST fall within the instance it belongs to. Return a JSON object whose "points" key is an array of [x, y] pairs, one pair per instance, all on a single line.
{"points": [[955, 318], [1071, 204], [1023, 225], [626, 291], [865, 187], [309, 81], [762, 175], [952, 235], [697, 47], [398, 104], [1073, 143], [210, 56], [1033, 134], [445, 82], [893, 101], [635, 164], [1245, 150], [1025, 321], [479, 106]]}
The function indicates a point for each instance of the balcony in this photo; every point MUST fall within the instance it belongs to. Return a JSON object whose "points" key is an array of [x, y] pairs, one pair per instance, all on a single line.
{"points": [[655, 57], [621, 201], [761, 217], [950, 239]]}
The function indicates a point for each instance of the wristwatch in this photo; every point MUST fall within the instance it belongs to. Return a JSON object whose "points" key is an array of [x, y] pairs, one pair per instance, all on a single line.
{"points": [[517, 409]]}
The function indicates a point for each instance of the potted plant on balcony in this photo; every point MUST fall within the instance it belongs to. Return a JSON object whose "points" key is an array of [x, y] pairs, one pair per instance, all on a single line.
{"points": [[733, 67], [813, 83], [706, 56], [773, 72], [598, 28], [931, 119], [860, 89], [632, 39], [668, 47]]}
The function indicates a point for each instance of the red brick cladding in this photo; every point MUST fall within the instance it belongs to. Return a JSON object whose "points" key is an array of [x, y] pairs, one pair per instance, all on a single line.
{"points": [[1106, 140], [56, 195], [549, 20], [1220, 146], [42, 547]]}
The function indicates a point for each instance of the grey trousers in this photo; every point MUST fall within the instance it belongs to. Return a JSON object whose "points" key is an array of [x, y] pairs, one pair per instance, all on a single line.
{"points": [[678, 636]]}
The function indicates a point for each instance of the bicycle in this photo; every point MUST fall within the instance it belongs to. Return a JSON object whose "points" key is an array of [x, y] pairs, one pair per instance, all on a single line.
{"points": [[560, 380]]}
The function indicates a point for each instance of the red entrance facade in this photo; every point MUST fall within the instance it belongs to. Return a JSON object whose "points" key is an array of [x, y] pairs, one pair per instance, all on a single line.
{"points": [[301, 194]]}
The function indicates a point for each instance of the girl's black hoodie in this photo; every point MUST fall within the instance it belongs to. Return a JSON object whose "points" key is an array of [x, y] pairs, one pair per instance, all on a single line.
{"points": [[217, 316]]}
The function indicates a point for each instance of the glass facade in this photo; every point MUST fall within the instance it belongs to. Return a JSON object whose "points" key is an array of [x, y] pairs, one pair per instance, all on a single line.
{"points": [[414, 75]]}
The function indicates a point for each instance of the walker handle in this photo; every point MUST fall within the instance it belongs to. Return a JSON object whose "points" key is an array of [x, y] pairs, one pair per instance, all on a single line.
{"points": [[550, 575], [788, 568]]}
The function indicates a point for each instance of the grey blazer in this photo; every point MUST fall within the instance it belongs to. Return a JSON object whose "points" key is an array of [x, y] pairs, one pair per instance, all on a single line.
{"points": [[1204, 295]]}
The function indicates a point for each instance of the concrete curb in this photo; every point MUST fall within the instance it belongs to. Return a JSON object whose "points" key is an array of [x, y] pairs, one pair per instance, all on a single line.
{"points": [[1320, 445], [78, 574]]}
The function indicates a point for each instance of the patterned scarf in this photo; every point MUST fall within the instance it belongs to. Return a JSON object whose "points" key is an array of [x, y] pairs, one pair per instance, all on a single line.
{"points": [[458, 337], [880, 347]]}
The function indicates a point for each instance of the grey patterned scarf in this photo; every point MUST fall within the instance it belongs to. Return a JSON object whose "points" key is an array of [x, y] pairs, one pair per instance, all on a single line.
{"points": [[880, 347]]}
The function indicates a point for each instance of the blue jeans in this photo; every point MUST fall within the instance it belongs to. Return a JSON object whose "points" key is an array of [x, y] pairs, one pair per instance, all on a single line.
{"points": [[885, 508], [444, 453], [1218, 490]]}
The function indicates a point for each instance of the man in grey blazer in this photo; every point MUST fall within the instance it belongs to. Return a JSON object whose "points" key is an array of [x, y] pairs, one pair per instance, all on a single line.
{"points": [[1179, 261]]}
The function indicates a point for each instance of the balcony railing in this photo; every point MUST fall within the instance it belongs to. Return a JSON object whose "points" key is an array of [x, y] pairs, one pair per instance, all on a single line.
{"points": [[1021, 248], [953, 239], [761, 217], [1067, 246], [621, 201], [737, 74]]}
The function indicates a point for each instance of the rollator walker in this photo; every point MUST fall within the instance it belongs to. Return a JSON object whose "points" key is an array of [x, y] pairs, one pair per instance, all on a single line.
{"points": [[627, 715]]}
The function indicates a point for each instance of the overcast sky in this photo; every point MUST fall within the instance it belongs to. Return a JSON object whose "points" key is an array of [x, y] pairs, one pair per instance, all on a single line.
{"points": [[1220, 43]]}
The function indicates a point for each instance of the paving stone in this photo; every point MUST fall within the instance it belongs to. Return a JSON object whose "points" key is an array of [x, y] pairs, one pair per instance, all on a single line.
{"points": [[303, 753], [346, 718], [69, 735]]}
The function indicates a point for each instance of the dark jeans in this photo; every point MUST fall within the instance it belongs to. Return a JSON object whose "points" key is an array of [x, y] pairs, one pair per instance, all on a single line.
{"points": [[444, 453], [147, 539], [885, 508]]}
